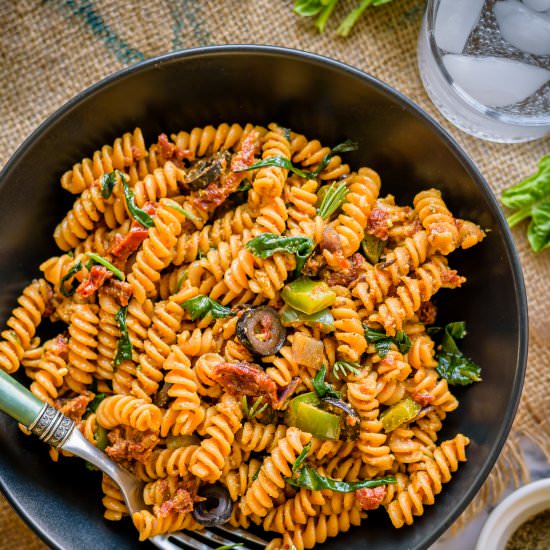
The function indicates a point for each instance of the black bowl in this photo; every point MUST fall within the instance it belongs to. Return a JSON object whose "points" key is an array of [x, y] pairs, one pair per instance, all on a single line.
{"points": [[320, 98]]}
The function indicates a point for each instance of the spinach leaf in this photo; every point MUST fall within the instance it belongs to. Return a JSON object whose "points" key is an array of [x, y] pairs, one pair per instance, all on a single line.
{"points": [[344, 368], [267, 244], [69, 291], [97, 259], [382, 342], [332, 200], [301, 457], [309, 478], [124, 345], [452, 364], [308, 8], [108, 182], [321, 388], [279, 162], [201, 305], [531, 199], [343, 147]]}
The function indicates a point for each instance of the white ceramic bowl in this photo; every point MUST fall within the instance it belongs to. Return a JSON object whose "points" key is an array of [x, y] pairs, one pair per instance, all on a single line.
{"points": [[512, 512]]}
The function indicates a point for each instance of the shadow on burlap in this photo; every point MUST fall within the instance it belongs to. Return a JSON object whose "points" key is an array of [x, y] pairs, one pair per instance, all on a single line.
{"points": [[49, 51]]}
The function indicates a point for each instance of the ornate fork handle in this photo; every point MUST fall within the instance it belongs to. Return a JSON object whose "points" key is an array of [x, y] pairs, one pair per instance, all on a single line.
{"points": [[52, 426]]}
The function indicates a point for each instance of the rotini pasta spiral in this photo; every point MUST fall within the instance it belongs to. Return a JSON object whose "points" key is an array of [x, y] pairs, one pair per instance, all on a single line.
{"points": [[113, 501], [125, 152], [207, 462], [23, 323], [270, 481], [125, 409]]}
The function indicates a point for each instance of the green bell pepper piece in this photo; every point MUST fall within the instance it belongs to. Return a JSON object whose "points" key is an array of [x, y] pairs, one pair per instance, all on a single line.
{"points": [[308, 296], [303, 413], [291, 317], [372, 248], [400, 413]]}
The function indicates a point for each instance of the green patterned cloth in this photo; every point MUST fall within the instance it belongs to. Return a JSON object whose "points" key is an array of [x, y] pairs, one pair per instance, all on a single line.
{"points": [[52, 49]]}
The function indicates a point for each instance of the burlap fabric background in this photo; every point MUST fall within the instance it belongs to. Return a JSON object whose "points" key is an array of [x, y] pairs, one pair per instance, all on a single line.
{"points": [[52, 49]]}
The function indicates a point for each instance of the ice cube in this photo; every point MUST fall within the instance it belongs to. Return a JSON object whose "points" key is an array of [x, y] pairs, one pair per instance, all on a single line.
{"points": [[538, 5], [495, 81], [454, 23], [522, 27]]}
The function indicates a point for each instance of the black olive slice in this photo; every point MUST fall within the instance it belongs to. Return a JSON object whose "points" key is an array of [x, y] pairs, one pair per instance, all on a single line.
{"points": [[350, 419], [205, 171], [216, 509], [260, 331]]}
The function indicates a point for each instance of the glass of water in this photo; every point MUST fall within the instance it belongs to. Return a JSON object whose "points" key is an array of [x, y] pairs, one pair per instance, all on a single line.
{"points": [[486, 66]]}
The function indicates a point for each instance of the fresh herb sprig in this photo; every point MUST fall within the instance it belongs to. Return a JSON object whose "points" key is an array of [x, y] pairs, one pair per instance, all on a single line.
{"points": [[332, 199], [531, 199], [309, 478], [94, 403], [344, 368], [452, 364], [256, 409], [108, 182], [322, 389], [344, 147], [382, 342], [267, 244], [323, 10], [124, 345], [200, 306]]}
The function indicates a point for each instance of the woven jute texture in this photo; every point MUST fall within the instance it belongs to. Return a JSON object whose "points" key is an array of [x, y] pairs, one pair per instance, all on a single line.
{"points": [[51, 50]]}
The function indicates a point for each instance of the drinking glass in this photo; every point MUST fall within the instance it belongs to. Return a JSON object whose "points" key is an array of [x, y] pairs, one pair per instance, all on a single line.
{"points": [[486, 66]]}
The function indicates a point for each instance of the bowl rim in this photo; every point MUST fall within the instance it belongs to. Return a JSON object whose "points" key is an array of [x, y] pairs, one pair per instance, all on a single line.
{"points": [[409, 105], [516, 508]]}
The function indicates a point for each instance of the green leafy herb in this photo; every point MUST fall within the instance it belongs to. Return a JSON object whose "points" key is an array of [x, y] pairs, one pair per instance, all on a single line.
{"points": [[382, 342], [321, 388], [279, 162], [452, 364], [184, 212], [267, 244], [332, 200], [94, 403], [257, 472], [531, 199], [124, 345], [301, 457], [97, 259], [108, 182], [230, 546], [137, 213], [344, 147], [90, 467], [309, 478], [69, 291], [344, 368], [324, 8], [251, 412], [200, 306]]}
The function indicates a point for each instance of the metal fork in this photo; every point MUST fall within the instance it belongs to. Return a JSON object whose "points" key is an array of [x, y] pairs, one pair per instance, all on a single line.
{"points": [[59, 431]]}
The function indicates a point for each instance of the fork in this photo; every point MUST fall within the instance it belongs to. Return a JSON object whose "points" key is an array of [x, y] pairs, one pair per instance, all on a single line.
{"points": [[57, 430]]}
